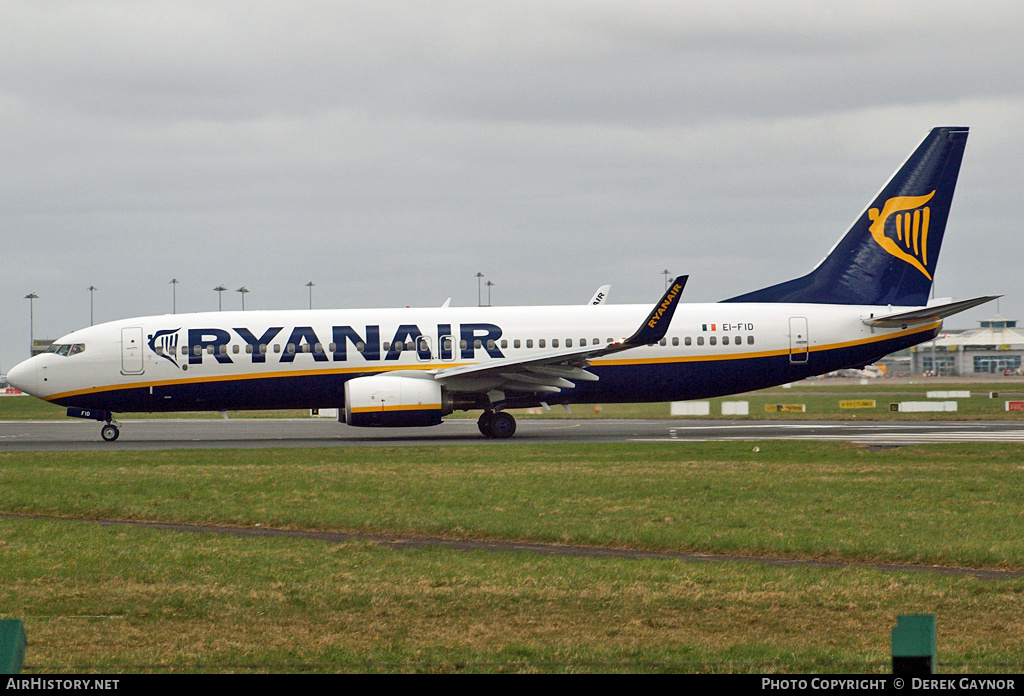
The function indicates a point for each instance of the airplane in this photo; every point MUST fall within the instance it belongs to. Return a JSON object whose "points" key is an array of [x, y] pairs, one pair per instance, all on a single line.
{"points": [[411, 367]]}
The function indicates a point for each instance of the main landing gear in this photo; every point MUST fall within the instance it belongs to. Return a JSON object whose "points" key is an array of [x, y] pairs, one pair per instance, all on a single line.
{"points": [[497, 424]]}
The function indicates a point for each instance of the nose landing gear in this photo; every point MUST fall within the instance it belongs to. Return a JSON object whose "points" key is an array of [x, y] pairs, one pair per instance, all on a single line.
{"points": [[108, 432]]}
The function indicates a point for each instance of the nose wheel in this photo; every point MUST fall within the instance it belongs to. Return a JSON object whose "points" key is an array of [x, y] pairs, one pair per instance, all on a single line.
{"points": [[497, 424], [110, 432]]}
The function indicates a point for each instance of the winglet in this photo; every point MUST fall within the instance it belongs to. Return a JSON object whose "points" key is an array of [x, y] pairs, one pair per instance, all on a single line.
{"points": [[656, 325]]}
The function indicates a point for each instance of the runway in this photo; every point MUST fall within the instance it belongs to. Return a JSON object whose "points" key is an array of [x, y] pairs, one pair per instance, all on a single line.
{"points": [[242, 433]]}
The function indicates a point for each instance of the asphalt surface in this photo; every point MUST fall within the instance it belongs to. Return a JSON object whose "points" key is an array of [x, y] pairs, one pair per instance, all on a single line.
{"points": [[312, 432]]}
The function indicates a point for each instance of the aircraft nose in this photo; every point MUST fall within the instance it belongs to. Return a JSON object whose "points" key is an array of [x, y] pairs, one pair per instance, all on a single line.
{"points": [[24, 376]]}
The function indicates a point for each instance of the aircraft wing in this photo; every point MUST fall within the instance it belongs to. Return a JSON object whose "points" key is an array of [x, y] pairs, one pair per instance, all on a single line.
{"points": [[927, 314], [554, 371]]}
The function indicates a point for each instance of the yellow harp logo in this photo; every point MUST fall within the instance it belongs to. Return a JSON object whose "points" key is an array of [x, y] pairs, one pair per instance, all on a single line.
{"points": [[911, 243]]}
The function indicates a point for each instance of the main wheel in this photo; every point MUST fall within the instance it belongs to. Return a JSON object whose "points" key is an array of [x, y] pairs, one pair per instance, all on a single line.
{"points": [[501, 426], [109, 432], [484, 422]]}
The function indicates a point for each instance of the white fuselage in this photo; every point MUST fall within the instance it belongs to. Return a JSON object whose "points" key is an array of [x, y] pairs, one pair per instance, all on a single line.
{"points": [[275, 359]]}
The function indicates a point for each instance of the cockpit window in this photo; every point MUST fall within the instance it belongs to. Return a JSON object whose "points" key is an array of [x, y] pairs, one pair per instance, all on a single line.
{"points": [[66, 349]]}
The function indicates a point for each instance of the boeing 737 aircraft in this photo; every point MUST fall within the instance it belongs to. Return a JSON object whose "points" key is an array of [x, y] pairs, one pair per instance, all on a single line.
{"points": [[411, 367]]}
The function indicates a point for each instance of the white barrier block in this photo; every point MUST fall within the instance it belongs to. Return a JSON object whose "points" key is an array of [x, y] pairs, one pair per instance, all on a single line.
{"points": [[923, 406], [691, 408], [735, 408], [324, 413], [948, 394]]}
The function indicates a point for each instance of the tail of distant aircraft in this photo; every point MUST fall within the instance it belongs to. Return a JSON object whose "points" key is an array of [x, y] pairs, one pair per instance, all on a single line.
{"points": [[889, 254]]}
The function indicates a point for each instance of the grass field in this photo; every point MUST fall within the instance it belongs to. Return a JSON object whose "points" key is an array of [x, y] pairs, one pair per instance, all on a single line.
{"points": [[114, 598]]}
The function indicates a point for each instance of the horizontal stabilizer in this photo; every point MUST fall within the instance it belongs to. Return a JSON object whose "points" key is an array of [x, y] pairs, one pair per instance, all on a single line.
{"points": [[927, 314]]}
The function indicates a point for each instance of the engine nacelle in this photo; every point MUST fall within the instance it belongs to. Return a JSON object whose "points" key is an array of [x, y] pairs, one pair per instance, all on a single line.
{"points": [[393, 401]]}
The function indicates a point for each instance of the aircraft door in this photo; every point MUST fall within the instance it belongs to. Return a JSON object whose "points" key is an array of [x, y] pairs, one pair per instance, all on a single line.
{"points": [[131, 351], [799, 344], [446, 347], [423, 352]]}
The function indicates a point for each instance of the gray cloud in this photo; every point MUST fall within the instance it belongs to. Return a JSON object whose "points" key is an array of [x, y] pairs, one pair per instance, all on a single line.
{"points": [[389, 151]]}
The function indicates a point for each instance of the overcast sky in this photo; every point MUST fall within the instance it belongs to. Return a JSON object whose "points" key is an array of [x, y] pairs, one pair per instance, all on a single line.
{"points": [[389, 151]]}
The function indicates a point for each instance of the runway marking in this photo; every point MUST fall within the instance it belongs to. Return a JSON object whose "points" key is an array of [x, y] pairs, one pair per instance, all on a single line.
{"points": [[543, 548], [860, 438]]}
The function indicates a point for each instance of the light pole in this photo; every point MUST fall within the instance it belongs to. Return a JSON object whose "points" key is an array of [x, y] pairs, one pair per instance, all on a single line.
{"points": [[174, 295], [31, 297], [479, 300], [92, 289], [489, 285], [220, 296], [310, 286], [243, 290], [666, 273]]}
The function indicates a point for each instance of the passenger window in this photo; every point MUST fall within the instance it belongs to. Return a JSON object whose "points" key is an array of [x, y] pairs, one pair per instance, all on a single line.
{"points": [[739, 340], [290, 348], [700, 340], [516, 343], [688, 341], [541, 343], [409, 345], [198, 350], [248, 349], [750, 340], [478, 344], [504, 343], [386, 346], [529, 343], [159, 350], [663, 342], [725, 340], [675, 340], [713, 340], [568, 343], [463, 344], [332, 347], [277, 347], [360, 346], [491, 344], [263, 349], [554, 342], [222, 349], [235, 349]]}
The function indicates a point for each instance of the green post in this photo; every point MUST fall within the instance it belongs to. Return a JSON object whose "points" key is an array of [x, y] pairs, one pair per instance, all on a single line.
{"points": [[12, 646], [914, 645]]}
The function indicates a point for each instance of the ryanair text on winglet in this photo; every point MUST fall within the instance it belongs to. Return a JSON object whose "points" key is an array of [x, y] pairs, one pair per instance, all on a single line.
{"points": [[666, 303]]}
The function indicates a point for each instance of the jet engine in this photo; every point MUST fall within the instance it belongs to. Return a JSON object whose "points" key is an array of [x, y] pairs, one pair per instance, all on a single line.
{"points": [[394, 401]]}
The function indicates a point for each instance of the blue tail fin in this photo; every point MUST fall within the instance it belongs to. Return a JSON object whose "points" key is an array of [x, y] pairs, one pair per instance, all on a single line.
{"points": [[889, 254]]}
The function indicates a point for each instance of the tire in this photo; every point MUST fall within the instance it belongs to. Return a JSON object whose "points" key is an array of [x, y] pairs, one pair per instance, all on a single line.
{"points": [[502, 426], [109, 432]]}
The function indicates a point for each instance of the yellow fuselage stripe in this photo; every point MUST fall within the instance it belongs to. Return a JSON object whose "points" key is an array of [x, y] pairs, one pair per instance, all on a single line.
{"points": [[597, 362]]}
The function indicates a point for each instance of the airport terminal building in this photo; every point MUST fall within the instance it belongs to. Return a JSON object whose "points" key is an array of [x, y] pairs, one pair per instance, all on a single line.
{"points": [[996, 347]]}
